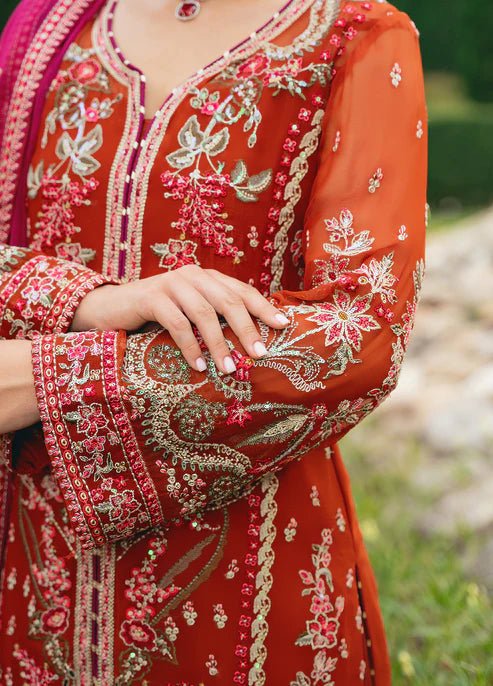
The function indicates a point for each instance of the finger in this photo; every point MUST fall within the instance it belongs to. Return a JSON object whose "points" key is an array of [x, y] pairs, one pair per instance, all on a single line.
{"points": [[170, 316], [231, 306], [202, 313], [254, 301]]}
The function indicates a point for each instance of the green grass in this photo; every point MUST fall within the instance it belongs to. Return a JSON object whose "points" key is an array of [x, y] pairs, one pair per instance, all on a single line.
{"points": [[439, 623]]}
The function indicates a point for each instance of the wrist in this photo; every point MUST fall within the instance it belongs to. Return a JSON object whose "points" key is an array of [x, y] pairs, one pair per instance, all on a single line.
{"points": [[18, 405], [89, 314]]}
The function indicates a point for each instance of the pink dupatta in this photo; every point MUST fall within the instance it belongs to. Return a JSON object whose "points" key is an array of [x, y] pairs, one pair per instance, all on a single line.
{"points": [[29, 58]]}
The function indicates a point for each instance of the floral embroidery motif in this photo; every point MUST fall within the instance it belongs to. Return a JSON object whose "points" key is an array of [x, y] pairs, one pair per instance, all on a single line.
{"points": [[233, 569], [50, 576], [350, 578], [262, 70], [344, 320], [396, 75], [39, 293], [189, 613], [402, 233], [220, 616], [336, 141], [199, 217], [322, 630], [315, 497], [202, 194], [211, 665], [76, 108], [362, 670], [140, 630], [31, 671], [335, 268], [374, 181], [11, 580], [290, 530], [340, 520], [359, 620], [175, 253]]}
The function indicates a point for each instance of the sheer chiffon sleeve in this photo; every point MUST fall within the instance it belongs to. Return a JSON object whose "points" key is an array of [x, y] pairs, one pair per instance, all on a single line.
{"points": [[137, 438]]}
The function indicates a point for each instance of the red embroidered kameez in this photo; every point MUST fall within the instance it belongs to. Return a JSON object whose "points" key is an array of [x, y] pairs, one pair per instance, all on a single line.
{"points": [[167, 526]]}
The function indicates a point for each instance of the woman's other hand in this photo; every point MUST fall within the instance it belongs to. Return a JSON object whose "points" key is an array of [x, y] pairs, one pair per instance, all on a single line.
{"points": [[177, 299]]}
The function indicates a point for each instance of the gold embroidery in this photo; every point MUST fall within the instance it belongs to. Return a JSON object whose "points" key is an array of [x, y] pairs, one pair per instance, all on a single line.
{"points": [[264, 581], [298, 170]]}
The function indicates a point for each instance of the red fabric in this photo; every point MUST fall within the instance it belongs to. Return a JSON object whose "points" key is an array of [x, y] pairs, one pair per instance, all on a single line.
{"points": [[173, 527]]}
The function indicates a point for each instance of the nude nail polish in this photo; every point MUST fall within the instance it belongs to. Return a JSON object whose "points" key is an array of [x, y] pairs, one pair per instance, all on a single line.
{"points": [[282, 318], [259, 348], [229, 364], [201, 364]]}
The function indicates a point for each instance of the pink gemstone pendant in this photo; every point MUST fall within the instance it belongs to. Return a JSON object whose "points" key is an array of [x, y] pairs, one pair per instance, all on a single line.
{"points": [[187, 9]]}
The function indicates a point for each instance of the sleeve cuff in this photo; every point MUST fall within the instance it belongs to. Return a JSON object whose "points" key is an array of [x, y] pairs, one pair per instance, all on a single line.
{"points": [[94, 454], [42, 295]]}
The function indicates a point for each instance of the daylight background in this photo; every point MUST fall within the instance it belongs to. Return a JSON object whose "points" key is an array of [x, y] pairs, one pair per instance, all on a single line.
{"points": [[422, 463]]}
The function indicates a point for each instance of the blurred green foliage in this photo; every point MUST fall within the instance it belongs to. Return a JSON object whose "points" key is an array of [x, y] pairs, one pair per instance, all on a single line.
{"points": [[440, 27], [476, 49], [460, 171], [6, 7], [456, 36], [460, 168]]}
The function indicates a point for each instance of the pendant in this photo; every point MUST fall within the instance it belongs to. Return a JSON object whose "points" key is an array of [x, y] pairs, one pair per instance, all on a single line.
{"points": [[187, 9]]}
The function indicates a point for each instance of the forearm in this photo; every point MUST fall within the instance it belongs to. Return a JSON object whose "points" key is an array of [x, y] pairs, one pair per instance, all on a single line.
{"points": [[18, 406]]}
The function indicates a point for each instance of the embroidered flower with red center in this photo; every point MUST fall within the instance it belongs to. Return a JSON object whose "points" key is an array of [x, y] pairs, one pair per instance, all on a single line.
{"points": [[175, 253], [92, 115], [55, 620], [209, 108], [256, 64], [91, 419], [85, 72], [123, 506], [38, 289], [138, 635], [291, 69], [237, 413], [323, 632], [243, 365]]}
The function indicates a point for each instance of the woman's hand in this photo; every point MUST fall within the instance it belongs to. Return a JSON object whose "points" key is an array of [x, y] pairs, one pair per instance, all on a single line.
{"points": [[177, 299], [18, 406]]}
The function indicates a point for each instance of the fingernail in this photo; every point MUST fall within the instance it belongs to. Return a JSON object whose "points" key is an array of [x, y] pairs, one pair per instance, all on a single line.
{"points": [[282, 318], [229, 365], [259, 348], [200, 364]]}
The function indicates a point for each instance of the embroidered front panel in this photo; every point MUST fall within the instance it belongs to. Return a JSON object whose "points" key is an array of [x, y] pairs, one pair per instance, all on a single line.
{"points": [[209, 201]]}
